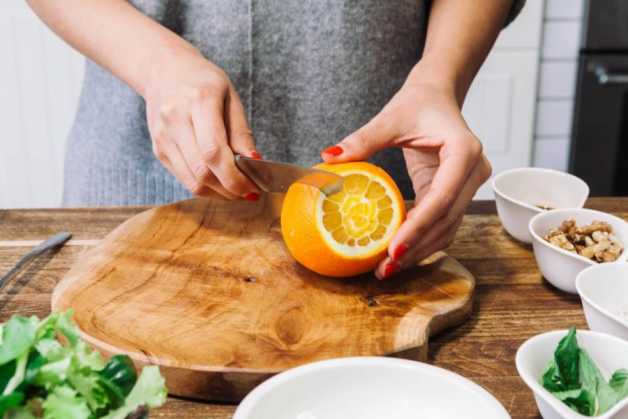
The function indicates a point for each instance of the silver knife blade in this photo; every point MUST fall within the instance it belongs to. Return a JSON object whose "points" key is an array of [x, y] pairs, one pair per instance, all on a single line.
{"points": [[273, 176]]}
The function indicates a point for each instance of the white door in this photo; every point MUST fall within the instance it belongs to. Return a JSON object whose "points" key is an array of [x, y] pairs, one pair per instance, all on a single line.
{"points": [[500, 105], [500, 110], [40, 79]]}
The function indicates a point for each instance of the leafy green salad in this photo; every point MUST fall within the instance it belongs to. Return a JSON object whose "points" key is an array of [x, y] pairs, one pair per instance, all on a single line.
{"points": [[47, 371], [573, 377]]}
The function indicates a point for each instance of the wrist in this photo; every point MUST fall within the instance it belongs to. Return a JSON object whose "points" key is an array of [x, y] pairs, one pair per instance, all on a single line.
{"points": [[439, 76], [171, 51]]}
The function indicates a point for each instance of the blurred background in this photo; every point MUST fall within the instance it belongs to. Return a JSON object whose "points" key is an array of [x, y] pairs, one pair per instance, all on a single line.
{"points": [[561, 61]]}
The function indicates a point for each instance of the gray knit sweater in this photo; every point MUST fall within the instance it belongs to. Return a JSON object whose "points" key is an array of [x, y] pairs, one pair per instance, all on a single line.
{"points": [[309, 72]]}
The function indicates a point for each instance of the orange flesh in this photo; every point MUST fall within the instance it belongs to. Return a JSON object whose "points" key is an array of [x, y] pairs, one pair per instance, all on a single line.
{"points": [[358, 214]]}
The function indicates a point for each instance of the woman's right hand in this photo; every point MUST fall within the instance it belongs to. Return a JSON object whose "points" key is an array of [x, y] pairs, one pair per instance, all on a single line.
{"points": [[197, 123]]}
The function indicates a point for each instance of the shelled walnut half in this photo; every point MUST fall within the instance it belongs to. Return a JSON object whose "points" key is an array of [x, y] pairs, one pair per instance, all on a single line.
{"points": [[594, 241]]}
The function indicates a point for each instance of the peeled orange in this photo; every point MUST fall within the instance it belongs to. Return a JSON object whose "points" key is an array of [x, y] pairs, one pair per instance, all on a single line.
{"points": [[346, 233]]}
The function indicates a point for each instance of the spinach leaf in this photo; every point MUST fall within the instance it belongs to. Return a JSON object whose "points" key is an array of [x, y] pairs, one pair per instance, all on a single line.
{"points": [[567, 357], [619, 383], [580, 400], [573, 377], [551, 378], [594, 382], [590, 376]]}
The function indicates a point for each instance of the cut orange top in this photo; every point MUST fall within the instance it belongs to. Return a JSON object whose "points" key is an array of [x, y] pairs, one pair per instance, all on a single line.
{"points": [[346, 233]]}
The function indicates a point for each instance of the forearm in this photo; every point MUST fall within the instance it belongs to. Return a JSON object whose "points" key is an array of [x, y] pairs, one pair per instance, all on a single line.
{"points": [[460, 35], [114, 34]]}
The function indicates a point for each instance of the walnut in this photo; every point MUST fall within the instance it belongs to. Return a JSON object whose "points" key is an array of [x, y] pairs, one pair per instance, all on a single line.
{"points": [[554, 232], [594, 241], [587, 252], [595, 226], [568, 227], [562, 242]]}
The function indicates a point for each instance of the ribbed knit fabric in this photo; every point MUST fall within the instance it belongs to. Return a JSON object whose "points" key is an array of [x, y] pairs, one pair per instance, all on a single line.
{"points": [[308, 72]]}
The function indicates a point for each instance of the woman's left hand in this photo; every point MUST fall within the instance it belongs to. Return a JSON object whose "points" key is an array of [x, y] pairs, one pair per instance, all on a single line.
{"points": [[444, 160]]}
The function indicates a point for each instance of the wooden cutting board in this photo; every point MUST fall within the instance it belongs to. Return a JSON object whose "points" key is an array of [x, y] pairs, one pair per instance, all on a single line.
{"points": [[206, 289]]}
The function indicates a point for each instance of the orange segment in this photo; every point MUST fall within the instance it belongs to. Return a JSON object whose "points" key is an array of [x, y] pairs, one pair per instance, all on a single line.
{"points": [[346, 233], [332, 220]]}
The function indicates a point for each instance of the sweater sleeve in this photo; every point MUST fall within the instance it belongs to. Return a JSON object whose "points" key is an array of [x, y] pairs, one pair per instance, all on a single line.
{"points": [[517, 5]]}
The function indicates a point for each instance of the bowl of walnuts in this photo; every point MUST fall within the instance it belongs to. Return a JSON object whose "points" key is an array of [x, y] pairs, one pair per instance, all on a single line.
{"points": [[566, 241]]}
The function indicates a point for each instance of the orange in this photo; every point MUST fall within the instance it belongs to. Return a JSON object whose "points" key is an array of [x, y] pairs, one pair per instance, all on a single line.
{"points": [[346, 233]]}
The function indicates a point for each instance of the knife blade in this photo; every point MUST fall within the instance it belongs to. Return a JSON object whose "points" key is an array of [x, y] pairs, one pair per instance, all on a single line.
{"points": [[272, 176]]}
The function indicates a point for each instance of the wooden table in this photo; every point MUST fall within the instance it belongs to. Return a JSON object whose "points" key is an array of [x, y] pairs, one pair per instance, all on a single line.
{"points": [[512, 301]]}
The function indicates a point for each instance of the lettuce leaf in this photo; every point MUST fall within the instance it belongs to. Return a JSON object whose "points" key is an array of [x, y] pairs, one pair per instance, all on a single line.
{"points": [[64, 403], [6, 372], [10, 401], [48, 368], [18, 335]]}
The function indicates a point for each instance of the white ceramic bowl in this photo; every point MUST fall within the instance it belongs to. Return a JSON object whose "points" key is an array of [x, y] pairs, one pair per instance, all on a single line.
{"points": [[519, 191], [608, 352], [604, 292], [369, 388], [559, 266]]}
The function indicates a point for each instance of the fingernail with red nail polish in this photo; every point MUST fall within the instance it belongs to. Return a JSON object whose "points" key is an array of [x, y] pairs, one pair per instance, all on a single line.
{"points": [[334, 150], [256, 155], [390, 268], [251, 196], [400, 251]]}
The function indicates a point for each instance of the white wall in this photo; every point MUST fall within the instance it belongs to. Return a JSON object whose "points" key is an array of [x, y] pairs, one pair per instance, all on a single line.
{"points": [[40, 79], [561, 41]]}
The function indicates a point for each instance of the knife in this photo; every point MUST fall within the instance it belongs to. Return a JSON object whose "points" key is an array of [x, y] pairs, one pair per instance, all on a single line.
{"points": [[272, 176], [54, 241]]}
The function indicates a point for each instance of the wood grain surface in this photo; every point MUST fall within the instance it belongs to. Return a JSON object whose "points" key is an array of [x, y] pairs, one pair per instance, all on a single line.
{"points": [[207, 290], [512, 301]]}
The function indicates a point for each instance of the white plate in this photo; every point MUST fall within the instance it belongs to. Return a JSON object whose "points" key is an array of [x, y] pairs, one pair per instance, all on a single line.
{"points": [[369, 388], [559, 266], [604, 292], [608, 352], [519, 191]]}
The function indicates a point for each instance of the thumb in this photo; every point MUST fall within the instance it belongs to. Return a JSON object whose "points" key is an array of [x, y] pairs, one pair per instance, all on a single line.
{"points": [[377, 134]]}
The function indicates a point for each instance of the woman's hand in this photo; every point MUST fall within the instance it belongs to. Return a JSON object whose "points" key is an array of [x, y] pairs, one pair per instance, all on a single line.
{"points": [[444, 161], [197, 123]]}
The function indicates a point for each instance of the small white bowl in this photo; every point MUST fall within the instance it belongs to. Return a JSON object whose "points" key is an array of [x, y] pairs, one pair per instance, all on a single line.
{"points": [[608, 352], [604, 292], [519, 191], [559, 266], [369, 388]]}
